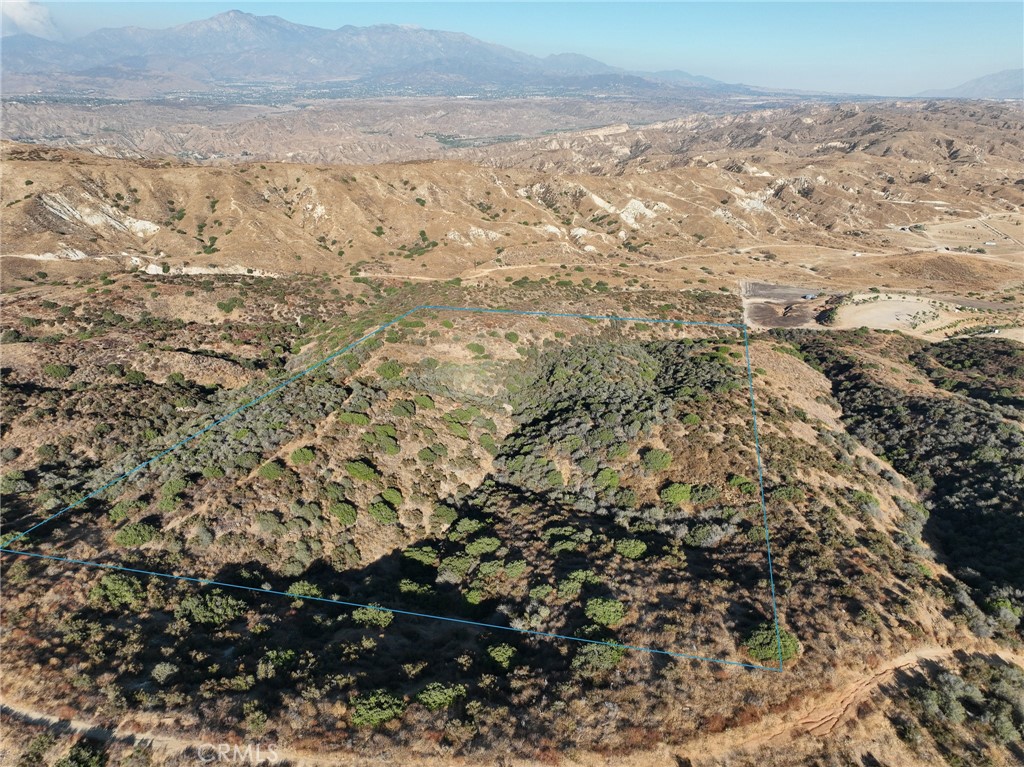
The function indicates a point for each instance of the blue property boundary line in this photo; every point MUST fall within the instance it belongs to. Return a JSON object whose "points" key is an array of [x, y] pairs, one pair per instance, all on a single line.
{"points": [[256, 400], [407, 613]]}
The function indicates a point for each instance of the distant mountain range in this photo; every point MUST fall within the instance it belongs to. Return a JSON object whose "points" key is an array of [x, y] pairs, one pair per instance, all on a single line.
{"points": [[1008, 84], [236, 51], [238, 56]]}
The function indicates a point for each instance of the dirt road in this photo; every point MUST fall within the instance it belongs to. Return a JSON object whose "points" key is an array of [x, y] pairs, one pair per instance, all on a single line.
{"points": [[822, 715], [818, 718]]}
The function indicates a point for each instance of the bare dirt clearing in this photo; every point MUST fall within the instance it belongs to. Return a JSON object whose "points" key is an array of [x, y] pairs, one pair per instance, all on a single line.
{"points": [[915, 315]]}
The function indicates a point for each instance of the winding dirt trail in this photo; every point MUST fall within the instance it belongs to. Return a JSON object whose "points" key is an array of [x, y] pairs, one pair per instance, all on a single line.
{"points": [[824, 714], [164, 743], [819, 718]]}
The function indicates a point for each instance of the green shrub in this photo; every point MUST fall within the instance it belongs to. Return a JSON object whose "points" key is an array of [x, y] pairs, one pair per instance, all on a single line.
{"points": [[542, 592], [606, 612], [118, 591], [436, 696], [135, 534], [60, 372], [457, 429], [163, 671], [423, 401], [122, 509], [743, 484], [515, 569], [384, 439], [409, 586], [225, 306], [502, 654], [487, 443], [571, 585], [764, 646], [476, 348], [704, 535], [37, 749], [463, 415], [272, 470], [389, 370], [268, 522], [787, 493], [215, 608], [354, 419], [383, 513], [392, 496], [690, 419], [404, 408], [344, 511], [376, 708], [656, 460], [301, 456], [173, 487], [425, 555], [704, 493], [862, 498], [597, 657], [305, 589], [607, 479], [631, 548], [82, 755], [443, 516], [361, 470], [431, 453], [676, 493], [483, 545], [457, 565], [14, 482], [373, 616], [247, 460]]}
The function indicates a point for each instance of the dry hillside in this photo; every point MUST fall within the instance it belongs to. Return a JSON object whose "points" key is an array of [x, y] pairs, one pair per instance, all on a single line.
{"points": [[573, 493]]}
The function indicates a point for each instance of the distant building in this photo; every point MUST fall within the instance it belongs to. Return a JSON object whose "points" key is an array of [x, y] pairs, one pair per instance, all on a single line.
{"points": [[810, 296]]}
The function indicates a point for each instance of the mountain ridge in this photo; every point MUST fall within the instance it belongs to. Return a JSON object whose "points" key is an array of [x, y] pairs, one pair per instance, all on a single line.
{"points": [[1006, 84], [234, 46]]}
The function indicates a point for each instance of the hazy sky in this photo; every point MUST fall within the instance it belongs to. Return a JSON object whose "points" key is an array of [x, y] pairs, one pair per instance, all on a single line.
{"points": [[883, 48]]}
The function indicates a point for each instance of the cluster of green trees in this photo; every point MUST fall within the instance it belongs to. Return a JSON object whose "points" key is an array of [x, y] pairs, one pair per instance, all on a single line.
{"points": [[961, 452], [980, 702], [585, 515], [988, 369]]}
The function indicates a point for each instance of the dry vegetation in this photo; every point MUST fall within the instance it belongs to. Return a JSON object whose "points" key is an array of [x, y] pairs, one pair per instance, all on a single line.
{"points": [[590, 479]]}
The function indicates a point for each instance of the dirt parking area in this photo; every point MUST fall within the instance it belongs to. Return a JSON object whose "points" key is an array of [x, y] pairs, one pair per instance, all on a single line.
{"points": [[781, 306]]}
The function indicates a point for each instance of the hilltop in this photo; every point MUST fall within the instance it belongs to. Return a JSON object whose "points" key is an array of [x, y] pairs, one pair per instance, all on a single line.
{"points": [[590, 480]]}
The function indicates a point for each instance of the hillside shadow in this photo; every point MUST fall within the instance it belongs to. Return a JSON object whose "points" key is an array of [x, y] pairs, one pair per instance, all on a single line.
{"points": [[433, 636]]}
